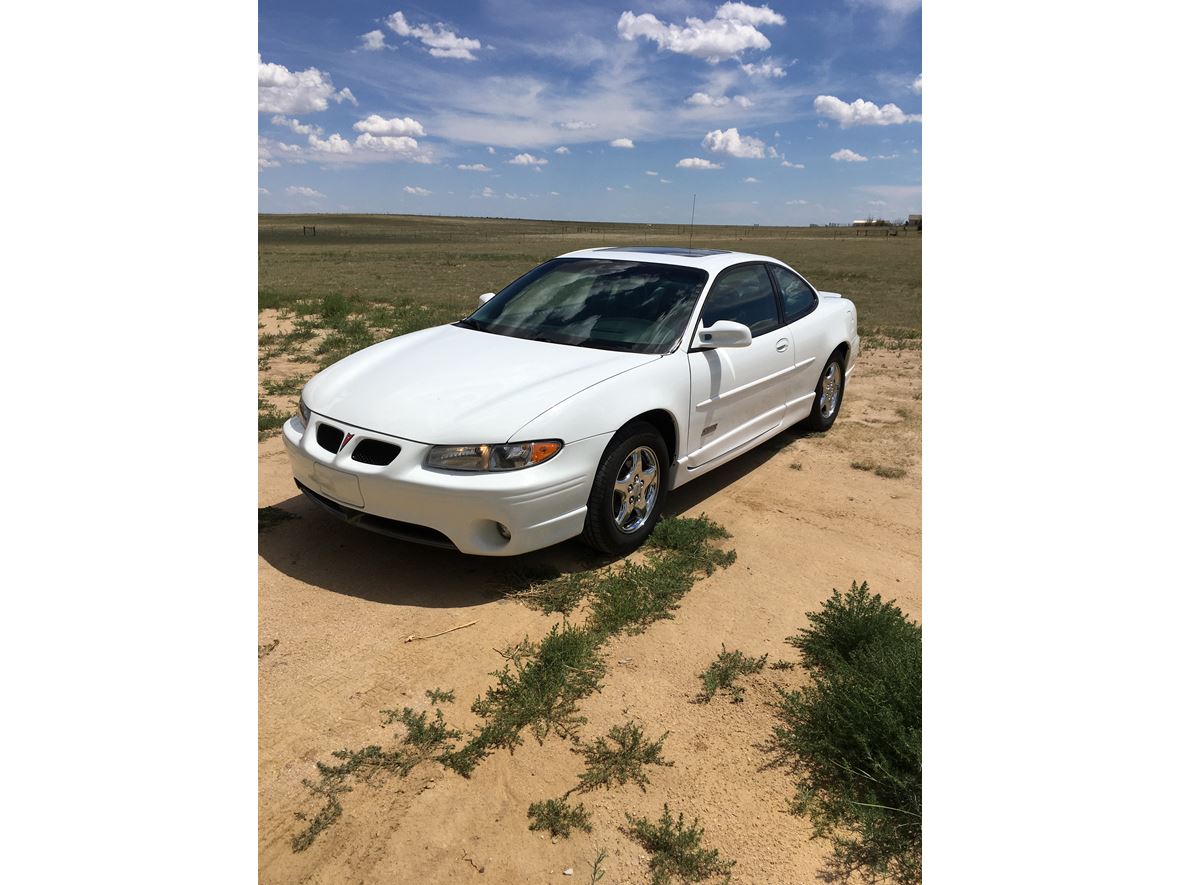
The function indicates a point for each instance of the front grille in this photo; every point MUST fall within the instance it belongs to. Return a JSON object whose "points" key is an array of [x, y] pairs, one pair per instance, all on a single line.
{"points": [[374, 451], [329, 437]]}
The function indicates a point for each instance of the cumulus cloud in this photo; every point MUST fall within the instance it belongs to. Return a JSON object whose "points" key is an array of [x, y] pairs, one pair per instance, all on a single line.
{"points": [[333, 144], [527, 160], [377, 125], [742, 101], [295, 126], [622, 143], [372, 41], [916, 86], [750, 180], [281, 91], [474, 167], [263, 192], [861, 112], [696, 163], [486, 192], [491, 150], [574, 125], [345, 95], [877, 203], [562, 150], [664, 181], [844, 155], [416, 191], [764, 69], [651, 173], [735, 144], [439, 41], [791, 165], [299, 191], [731, 31], [401, 146], [796, 202]]}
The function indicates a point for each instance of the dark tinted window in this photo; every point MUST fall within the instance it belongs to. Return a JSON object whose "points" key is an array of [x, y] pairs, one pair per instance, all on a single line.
{"points": [[798, 297], [591, 302], [745, 296]]}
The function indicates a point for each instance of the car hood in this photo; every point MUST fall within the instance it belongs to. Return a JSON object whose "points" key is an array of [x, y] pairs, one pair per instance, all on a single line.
{"points": [[451, 385]]}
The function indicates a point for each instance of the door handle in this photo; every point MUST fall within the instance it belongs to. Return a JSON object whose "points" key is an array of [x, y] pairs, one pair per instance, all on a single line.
{"points": [[782, 345]]}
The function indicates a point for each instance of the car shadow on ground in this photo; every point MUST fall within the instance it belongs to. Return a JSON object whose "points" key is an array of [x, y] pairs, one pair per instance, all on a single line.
{"points": [[318, 550]]}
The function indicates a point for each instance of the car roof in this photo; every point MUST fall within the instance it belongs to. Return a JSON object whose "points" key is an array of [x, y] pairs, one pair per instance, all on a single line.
{"points": [[707, 259]]}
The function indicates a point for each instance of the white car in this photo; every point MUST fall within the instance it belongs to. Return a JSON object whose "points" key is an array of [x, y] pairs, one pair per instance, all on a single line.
{"points": [[574, 400]]}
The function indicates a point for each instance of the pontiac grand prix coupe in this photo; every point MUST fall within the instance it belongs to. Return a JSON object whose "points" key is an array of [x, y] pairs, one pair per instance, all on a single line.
{"points": [[572, 401]]}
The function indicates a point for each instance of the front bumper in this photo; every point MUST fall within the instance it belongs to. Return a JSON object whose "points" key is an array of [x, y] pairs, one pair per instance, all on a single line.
{"points": [[539, 506]]}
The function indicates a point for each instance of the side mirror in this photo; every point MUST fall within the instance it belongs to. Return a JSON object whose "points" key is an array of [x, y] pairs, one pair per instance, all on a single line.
{"points": [[724, 333], [486, 297]]}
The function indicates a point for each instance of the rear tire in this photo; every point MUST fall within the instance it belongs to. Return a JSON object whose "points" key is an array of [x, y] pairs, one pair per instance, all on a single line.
{"points": [[628, 492], [829, 396]]}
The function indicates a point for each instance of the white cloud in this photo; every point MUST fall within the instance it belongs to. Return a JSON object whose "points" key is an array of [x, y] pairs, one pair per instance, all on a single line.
{"points": [[696, 163], [515, 197], [704, 100], [554, 194], [664, 181], [650, 172], [474, 167], [894, 193], [861, 112], [416, 191], [263, 192], [731, 31], [487, 192], [491, 150], [877, 203], [733, 143], [622, 143], [844, 155], [399, 146], [298, 191], [295, 126], [916, 86], [574, 125], [345, 95], [527, 160], [885, 157], [796, 202], [742, 101], [764, 69], [441, 42], [372, 41], [562, 150], [377, 125], [750, 180], [333, 144], [266, 159], [281, 91], [791, 165]]}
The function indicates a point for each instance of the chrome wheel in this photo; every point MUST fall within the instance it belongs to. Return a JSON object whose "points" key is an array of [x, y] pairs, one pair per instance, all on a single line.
{"points": [[636, 488], [829, 396]]}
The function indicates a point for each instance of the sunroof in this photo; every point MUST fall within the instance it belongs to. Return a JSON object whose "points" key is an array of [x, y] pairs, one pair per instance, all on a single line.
{"points": [[666, 250]]}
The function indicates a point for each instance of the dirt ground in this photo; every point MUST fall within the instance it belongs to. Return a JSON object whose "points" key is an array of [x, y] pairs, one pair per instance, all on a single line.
{"points": [[340, 602]]}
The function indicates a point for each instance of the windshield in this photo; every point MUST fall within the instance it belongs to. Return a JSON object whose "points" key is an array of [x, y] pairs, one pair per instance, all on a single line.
{"points": [[596, 302]]}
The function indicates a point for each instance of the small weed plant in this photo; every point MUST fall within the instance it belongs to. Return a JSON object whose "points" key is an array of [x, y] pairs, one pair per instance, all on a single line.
{"points": [[723, 673], [676, 850], [559, 817], [620, 758]]}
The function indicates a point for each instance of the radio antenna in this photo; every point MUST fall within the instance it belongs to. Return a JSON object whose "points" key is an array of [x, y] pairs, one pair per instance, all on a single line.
{"points": [[693, 220]]}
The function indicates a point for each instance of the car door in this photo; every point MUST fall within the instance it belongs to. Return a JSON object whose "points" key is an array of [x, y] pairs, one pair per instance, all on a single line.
{"points": [[799, 302], [738, 393]]}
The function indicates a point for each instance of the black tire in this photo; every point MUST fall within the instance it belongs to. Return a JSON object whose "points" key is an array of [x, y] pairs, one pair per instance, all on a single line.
{"points": [[602, 530], [817, 421]]}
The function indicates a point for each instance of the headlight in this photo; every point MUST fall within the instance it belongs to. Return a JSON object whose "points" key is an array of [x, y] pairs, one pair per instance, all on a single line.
{"points": [[304, 411], [509, 456]]}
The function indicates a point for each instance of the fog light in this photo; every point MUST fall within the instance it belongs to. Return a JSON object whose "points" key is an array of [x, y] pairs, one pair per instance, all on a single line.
{"points": [[503, 530]]}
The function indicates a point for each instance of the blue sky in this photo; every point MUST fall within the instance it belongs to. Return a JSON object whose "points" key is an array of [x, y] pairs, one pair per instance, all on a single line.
{"points": [[784, 113]]}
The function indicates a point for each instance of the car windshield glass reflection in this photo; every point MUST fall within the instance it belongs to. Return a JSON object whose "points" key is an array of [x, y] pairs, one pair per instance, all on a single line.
{"points": [[590, 302]]}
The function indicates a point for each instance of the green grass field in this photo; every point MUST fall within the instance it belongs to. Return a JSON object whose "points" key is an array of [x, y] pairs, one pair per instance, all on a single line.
{"points": [[447, 263]]}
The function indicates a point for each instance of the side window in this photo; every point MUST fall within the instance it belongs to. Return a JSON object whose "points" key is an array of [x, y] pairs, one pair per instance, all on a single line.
{"points": [[744, 295], [798, 297]]}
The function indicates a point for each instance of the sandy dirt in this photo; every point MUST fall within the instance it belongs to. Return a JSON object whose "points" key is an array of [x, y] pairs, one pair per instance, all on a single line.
{"points": [[340, 602]]}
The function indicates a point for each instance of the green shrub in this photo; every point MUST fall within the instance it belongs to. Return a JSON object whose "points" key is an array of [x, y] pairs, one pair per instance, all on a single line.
{"points": [[722, 675], [853, 736], [558, 817], [676, 850], [619, 758]]}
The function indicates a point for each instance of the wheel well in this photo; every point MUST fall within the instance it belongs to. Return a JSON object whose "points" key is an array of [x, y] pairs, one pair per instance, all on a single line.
{"points": [[842, 350], [665, 424]]}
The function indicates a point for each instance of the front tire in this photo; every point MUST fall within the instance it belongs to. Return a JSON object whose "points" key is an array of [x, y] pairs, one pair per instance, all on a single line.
{"points": [[829, 396], [628, 492]]}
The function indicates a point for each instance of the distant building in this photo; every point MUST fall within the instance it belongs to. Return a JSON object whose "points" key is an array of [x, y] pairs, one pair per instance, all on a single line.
{"points": [[914, 221]]}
